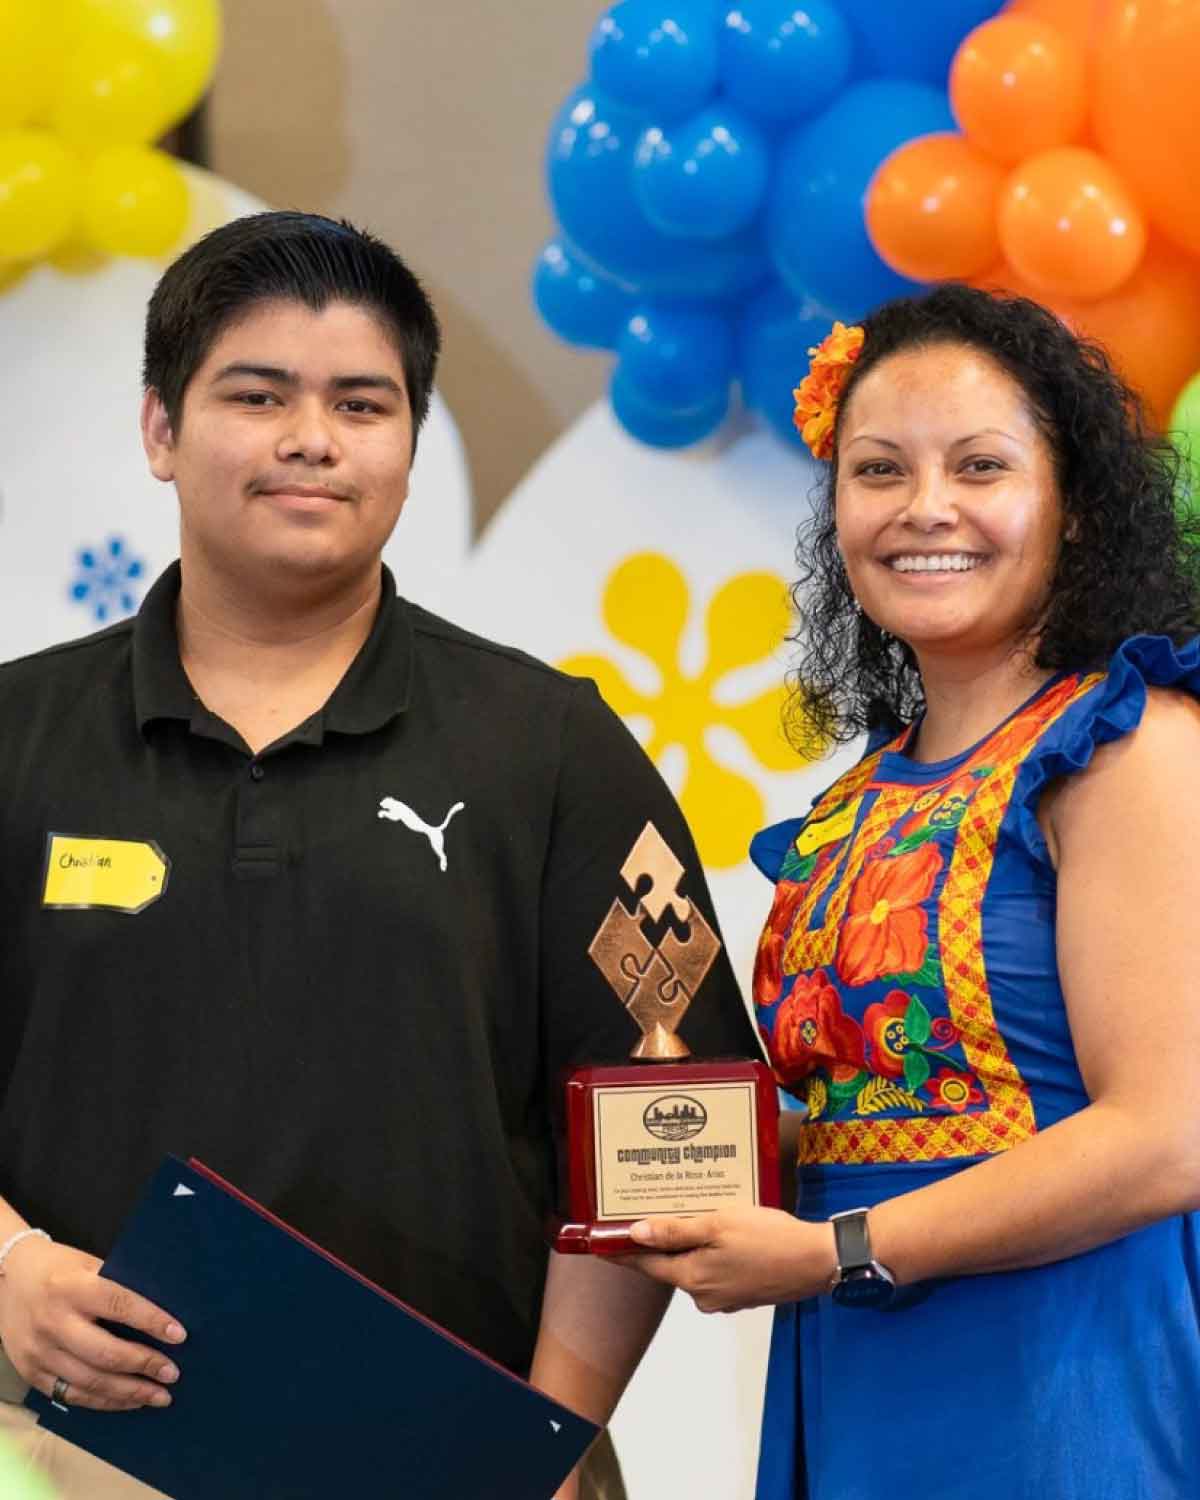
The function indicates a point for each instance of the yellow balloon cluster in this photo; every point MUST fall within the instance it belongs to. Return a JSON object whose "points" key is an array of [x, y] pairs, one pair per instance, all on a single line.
{"points": [[86, 87]]}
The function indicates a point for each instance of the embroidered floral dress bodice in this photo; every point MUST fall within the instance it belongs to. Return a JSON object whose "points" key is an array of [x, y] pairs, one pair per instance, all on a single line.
{"points": [[872, 982], [908, 991]]}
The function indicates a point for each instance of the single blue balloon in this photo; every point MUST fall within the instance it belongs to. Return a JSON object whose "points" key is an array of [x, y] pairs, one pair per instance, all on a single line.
{"points": [[773, 340], [914, 41], [590, 179], [657, 54], [662, 427], [816, 233], [677, 359], [704, 177], [781, 60], [580, 306]]}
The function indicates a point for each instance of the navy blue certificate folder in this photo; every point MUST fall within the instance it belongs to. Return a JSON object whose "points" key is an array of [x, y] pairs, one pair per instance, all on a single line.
{"points": [[301, 1379]]}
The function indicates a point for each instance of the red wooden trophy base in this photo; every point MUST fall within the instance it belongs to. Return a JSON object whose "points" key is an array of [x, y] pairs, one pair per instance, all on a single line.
{"points": [[664, 1138]]}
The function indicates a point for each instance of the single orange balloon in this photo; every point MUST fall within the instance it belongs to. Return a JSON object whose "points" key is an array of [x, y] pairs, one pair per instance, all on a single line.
{"points": [[1146, 108], [1069, 225], [931, 209], [1076, 19], [1150, 327], [1018, 86]]}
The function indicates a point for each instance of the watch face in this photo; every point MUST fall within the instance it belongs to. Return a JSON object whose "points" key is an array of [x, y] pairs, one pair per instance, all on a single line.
{"points": [[864, 1288]]}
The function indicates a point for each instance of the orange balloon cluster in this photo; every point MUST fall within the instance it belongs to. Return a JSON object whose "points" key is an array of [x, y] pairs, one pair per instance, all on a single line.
{"points": [[1076, 180]]}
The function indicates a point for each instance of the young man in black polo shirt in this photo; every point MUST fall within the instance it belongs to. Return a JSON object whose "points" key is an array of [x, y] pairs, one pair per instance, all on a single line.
{"points": [[302, 880]]}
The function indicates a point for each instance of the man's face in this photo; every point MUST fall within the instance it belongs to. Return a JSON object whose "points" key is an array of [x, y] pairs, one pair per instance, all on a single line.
{"points": [[293, 451]]}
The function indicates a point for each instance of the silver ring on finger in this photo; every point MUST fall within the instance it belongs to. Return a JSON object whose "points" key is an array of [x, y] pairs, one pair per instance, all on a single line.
{"points": [[58, 1394]]}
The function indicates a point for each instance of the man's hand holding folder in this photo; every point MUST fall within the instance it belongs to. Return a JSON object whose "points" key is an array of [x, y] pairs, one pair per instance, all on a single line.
{"points": [[52, 1299], [267, 1410]]}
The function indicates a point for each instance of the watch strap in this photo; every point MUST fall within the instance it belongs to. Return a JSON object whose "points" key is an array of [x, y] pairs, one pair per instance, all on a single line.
{"points": [[852, 1240]]}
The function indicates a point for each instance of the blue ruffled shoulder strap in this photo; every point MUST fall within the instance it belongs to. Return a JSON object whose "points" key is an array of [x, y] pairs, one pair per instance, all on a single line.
{"points": [[768, 848], [1113, 708]]}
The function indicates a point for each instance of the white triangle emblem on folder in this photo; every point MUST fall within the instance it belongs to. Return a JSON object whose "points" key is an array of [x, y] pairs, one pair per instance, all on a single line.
{"points": [[556, 1425], [183, 1191]]}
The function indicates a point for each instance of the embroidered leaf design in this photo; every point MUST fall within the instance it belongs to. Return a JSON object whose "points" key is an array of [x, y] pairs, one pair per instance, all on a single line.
{"points": [[917, 1025], [847, 1090], [929, 975], [797, 867], [916, 1069], [913, 841], [881, 1093], [930, 972], [981, 771], [817, 1098]]}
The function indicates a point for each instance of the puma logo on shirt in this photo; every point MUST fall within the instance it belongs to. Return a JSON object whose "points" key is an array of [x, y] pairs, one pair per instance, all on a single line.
{"points": [[399, 812]]}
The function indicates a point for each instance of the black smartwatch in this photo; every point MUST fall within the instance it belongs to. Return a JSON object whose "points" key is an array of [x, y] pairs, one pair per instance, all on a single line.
{"points": [[859, 1281]]}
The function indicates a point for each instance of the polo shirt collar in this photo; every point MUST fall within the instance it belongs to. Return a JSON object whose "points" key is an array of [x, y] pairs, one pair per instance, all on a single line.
{"points": [[374, 690], [377, 684], [161, 689]]}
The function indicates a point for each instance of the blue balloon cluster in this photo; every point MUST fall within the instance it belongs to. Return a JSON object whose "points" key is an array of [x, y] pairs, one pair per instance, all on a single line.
{"points": [[708, 180]]}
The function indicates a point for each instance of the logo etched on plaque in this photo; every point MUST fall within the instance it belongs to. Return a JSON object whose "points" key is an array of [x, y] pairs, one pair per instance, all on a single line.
{"points": [[675, 1117]]}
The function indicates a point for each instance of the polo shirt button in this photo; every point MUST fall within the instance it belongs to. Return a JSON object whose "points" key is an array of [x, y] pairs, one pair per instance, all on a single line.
{"points": [[256, 771]]}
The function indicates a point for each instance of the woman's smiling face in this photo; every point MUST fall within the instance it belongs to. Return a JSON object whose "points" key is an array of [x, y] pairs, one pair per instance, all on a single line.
{"points": [[949, 516]]}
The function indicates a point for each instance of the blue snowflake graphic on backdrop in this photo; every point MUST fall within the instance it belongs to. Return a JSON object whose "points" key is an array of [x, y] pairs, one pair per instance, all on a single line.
{"points": [[107, 580]]}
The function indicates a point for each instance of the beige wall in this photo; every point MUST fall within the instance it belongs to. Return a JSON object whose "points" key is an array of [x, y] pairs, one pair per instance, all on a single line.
{"points": [[426, 123]]}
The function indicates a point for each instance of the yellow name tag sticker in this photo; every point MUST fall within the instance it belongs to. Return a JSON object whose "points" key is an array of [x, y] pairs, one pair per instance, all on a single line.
{"points": [[837, 826], [116, 874]]}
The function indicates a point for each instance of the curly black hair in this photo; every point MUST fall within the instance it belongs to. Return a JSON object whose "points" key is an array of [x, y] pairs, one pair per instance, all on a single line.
{"points": [[1131, 563]]}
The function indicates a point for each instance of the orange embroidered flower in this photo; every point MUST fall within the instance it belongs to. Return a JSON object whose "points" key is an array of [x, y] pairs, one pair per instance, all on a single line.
{"points": [[885, 930], [812, 1031], [887, 1040], [768, 962], [954, 1090], [818, 393]]}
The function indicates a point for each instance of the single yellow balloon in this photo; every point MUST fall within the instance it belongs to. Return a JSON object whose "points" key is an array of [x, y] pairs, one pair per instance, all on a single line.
{"points": [[135, 201], [184, 35], [110, 93], [30, 41], [39, 193]]}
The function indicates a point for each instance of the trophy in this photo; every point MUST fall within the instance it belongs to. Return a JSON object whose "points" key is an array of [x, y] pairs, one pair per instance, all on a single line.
{"points": [[661, 1134]]}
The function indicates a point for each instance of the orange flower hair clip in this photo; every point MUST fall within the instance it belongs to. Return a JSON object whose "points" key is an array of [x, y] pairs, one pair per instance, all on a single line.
{"points": [[818, 394]]}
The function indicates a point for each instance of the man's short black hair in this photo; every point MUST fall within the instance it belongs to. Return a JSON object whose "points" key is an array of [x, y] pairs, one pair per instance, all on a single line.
{"points": [[304, 258]]}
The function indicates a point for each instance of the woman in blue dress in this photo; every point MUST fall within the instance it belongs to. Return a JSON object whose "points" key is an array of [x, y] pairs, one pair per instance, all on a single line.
{"points": [[981, 970]]}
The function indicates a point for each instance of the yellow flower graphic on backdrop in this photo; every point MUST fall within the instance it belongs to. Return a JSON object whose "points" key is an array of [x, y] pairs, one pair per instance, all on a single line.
{"points": [[647, 604]]}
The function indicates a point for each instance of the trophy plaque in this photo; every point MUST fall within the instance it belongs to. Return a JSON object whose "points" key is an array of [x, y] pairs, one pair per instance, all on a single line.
{"points": [[662, 1134]]}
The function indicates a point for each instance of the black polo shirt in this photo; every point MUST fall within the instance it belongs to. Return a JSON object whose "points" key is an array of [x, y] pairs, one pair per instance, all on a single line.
{"points": [[352, 1008]]}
